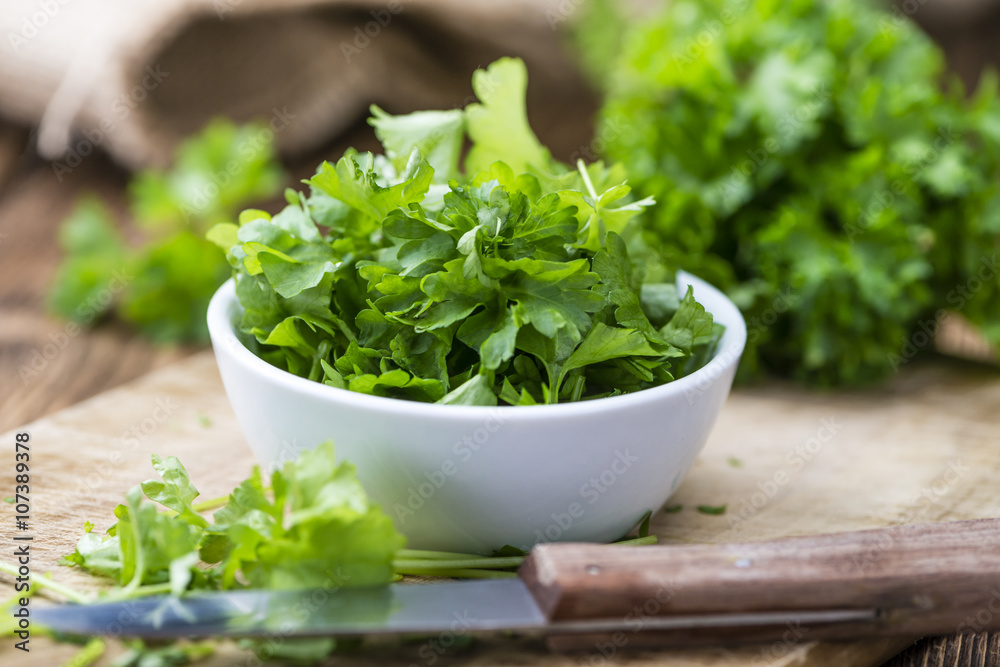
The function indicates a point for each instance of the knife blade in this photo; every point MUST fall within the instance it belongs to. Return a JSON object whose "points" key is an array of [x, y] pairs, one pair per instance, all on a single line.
{"points": [[909, 580]]}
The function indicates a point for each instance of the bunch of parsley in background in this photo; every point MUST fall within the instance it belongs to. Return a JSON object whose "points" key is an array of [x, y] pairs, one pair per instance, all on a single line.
{"points": [[163, 285], [809, 158], [508, 280]]}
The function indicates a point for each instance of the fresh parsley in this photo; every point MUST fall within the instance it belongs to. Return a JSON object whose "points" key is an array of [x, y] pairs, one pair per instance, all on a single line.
{"points": [[312, 526], [504, 278], [812, 159]]}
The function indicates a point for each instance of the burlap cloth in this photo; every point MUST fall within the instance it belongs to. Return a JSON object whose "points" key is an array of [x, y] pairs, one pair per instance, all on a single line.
{"points": [[132, 77]]}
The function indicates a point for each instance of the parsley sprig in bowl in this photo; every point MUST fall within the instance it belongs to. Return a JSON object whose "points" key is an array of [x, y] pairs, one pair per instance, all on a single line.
{"points": [[498, 299], [509, 283]]}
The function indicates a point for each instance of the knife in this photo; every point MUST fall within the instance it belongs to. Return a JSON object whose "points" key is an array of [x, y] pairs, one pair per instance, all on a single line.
{"points": [[905, 580]]}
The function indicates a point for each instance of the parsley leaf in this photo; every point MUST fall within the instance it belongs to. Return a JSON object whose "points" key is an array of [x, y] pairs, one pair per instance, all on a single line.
{"points": [[498, 123]]}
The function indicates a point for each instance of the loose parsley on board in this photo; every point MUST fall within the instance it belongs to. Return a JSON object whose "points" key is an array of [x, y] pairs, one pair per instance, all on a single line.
{"points": [[312, 522], [512, 278], [310, 526]]}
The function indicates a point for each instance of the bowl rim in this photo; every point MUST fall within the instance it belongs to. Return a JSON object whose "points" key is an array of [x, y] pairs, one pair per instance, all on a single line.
{"points": [[222, 331]]}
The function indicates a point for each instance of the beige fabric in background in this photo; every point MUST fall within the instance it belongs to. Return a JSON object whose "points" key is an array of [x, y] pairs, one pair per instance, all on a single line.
{"points": [[132, 77]]}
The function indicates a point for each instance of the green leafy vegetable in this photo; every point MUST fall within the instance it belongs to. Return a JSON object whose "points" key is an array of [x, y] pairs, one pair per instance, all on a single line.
{"points": [[805, 157], [713, 510], [498, 123], [520, 280], [163, 286], [139, 654], [315, 527]]}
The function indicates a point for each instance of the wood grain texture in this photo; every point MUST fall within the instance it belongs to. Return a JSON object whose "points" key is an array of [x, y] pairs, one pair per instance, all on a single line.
{"points": [[966, 649], [921, 579]]}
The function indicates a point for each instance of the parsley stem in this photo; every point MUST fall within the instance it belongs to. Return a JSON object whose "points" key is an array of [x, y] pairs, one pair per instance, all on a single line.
{"points": [[138, 592], [205, 505], [460, 573], [429, 562], [418, 554], [636, 542], [134, 546], [212, 504], [582, 168], [484, 563], [88, 655], [151, 589], [46, 583]]}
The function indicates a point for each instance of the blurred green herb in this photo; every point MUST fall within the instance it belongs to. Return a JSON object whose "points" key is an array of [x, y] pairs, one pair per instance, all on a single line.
{"points": [[399, 276], [163, 285], [812, 159], [714, 510], [140, 654], [644, 524], [91, 652]]}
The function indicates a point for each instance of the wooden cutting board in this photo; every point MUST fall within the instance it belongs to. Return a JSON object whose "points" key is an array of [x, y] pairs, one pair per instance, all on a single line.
{"points": [[925, 447]]}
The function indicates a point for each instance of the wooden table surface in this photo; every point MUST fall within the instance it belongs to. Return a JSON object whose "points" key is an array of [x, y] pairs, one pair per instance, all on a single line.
{"points": [[32, 203]]}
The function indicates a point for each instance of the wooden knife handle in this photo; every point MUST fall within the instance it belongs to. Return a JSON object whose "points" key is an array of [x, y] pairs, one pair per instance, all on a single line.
{"points": [[923, 579]]}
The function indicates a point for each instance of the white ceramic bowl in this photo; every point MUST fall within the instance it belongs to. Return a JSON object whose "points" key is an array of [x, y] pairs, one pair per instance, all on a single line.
{"points": [[472, 479]]}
